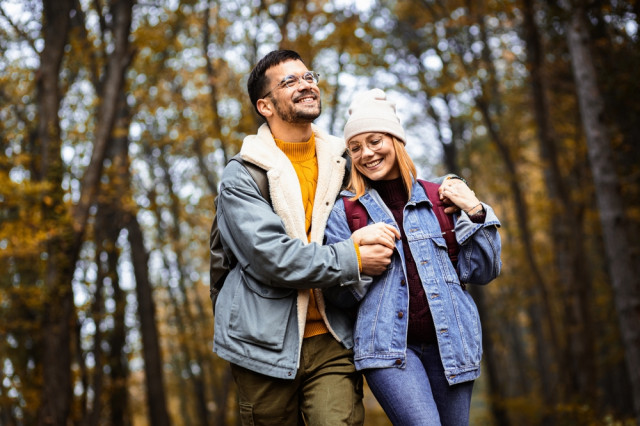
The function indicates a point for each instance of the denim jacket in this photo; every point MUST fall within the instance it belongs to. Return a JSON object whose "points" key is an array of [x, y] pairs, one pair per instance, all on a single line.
{"points": [[380, 333]]}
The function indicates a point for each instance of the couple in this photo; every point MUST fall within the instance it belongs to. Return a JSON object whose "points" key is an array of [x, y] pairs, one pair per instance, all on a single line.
{"points": [[299, 317]]}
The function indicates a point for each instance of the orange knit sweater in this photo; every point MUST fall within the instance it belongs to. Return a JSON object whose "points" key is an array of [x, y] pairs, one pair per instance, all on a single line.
{"points": [[303, 157]]}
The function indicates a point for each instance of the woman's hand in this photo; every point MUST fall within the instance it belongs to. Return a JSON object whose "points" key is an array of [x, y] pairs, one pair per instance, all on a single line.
{"points": [[457, 192], [378, 233]]}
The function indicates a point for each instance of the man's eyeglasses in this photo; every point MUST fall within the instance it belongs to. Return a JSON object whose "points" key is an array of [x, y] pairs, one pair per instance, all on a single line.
{"points": [[374, 144], [310, 77]]}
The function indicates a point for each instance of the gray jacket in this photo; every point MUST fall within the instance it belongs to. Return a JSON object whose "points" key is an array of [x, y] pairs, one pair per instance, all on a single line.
{"points": [[262, 307]]}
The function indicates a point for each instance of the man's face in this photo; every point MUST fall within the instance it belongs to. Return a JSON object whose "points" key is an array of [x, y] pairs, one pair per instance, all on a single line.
{"points": [[297, 104]]}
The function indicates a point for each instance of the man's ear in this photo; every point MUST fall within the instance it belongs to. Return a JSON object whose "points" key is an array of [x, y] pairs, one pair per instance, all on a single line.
{"points": [[265, 107]]}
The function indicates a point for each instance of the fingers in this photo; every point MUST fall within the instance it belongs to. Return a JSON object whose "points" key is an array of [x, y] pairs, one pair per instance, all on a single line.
{"points": [[453, 187], [456, 192], [452, 209], [394, 231], [378, 233], [375, 259]]}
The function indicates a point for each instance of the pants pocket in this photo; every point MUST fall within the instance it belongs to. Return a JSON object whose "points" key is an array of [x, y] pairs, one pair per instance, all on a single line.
{"points": [[246, 414]]}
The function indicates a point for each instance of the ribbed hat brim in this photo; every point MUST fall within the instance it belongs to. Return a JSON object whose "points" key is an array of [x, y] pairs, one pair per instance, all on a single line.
{"points": [[356, 126]]}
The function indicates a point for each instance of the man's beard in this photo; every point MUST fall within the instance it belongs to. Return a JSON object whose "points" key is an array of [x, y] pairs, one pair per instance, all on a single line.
{"points": [[290, 114]]}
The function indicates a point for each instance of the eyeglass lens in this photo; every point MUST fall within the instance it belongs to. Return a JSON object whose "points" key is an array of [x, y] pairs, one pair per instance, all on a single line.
{"points": [[355, 150]]}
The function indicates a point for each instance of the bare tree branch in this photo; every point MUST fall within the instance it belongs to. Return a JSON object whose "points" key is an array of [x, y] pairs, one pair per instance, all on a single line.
{"points": [[19, 31]]}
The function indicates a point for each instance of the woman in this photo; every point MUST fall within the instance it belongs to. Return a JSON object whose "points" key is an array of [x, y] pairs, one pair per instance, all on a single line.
{"points": [[417, 333]]}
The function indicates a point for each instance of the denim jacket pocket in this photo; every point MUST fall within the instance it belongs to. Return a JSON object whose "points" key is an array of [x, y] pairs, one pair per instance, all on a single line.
{"points": [[260, 314], [468, 321], [442, 255]]}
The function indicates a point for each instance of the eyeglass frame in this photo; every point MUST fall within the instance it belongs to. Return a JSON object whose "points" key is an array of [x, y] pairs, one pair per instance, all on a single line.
{"points": [[314, 76], [374, 148]]}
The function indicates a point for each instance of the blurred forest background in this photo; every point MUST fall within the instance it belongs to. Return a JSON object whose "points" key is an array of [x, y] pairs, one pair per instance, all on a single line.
{"points": [[117, 117]]}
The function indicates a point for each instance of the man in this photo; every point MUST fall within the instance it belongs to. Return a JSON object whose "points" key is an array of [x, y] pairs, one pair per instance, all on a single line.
{"points": [[290, 353]]}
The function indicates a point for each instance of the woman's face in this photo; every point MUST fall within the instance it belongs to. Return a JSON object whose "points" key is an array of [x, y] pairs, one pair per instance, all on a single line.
{"points": [[374, 155]]}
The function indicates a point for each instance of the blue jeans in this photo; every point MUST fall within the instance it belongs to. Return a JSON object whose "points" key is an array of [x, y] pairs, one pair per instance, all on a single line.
{"points": [[419, 393]]}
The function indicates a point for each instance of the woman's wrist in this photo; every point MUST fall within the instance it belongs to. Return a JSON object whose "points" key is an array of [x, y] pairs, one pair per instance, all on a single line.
{"points": [[475, 209]]}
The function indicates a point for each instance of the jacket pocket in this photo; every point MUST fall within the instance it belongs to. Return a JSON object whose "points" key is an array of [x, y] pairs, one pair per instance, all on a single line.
{"points": [[468, 321], [260, 314], [442, 254]]}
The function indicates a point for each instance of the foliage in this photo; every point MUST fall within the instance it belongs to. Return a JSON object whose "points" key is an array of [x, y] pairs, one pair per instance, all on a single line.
{"points": [[464, 77]]}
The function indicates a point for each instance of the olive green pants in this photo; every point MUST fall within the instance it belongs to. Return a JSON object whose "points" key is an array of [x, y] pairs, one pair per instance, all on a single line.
{"points": [[326, 391]]}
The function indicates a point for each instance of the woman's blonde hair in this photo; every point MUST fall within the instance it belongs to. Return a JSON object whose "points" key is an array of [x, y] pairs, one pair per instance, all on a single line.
{"points": [[358, 182]]}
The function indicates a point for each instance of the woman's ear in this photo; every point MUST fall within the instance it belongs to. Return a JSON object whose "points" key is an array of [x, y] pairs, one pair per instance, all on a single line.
{"points": [[265, 107]]}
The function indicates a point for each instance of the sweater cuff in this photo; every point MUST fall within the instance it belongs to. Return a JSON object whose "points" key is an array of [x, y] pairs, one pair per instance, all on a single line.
{"points": [[358, 254], [479, 217]]}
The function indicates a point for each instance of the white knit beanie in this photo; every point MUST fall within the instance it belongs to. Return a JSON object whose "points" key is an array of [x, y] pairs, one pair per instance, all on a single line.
{"points": [[370, 111]]}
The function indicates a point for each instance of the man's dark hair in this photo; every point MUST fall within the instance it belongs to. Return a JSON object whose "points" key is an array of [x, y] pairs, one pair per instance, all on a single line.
{"points": [[257, 81]]}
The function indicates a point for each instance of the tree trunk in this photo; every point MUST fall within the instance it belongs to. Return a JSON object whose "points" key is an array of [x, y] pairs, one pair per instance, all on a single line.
{"points": [[155, 391], [119, 367], [119, 197], [156, 400], [58, 308], [186, 321], [111, 91], [624, 277], [214, 96], [93, 415], [63, 248], [118, 395], [579, 349], [108, 224]]}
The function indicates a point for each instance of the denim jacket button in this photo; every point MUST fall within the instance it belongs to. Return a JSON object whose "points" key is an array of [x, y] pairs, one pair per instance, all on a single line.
{"points": [[398, 361], [400, 314], [403, 283]]}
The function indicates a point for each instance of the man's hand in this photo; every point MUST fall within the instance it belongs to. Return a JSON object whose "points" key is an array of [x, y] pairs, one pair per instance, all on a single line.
{"points": [[375, 258], [378, 233]]}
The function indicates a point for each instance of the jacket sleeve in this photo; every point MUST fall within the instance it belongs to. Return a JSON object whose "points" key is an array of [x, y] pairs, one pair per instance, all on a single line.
{"points": [[480, 248], [346, 295], [256, 235]]}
